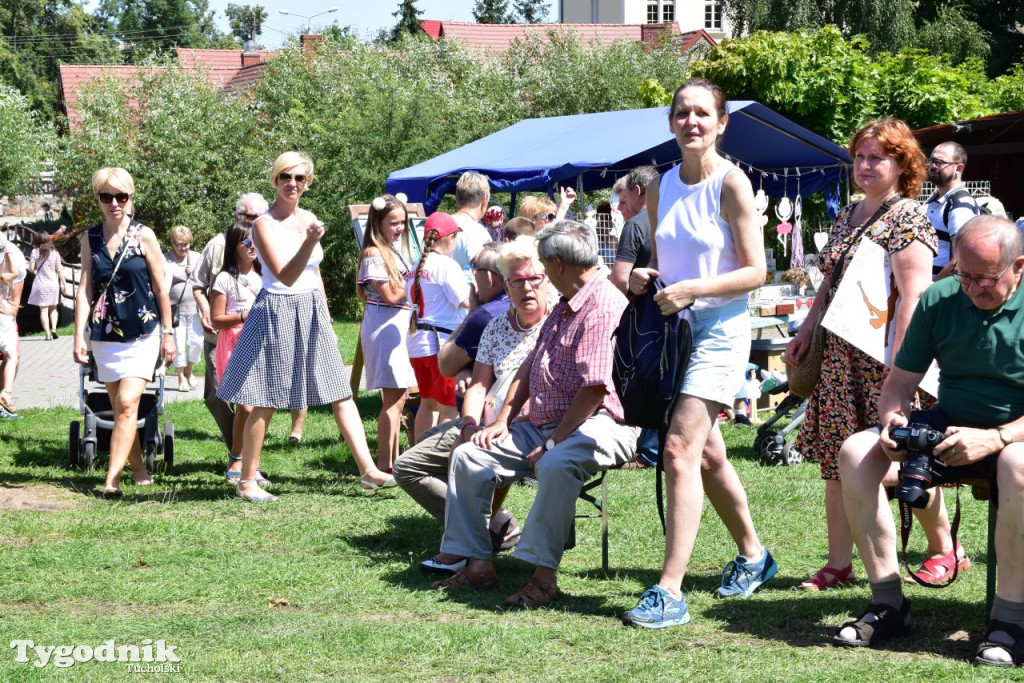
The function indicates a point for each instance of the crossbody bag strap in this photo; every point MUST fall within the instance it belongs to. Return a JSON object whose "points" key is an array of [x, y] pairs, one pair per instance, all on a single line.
{"points": [[123, 249]]}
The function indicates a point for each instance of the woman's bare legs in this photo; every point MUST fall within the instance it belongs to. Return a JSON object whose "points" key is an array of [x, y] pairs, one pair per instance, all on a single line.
{"points": [[124, 445], [252, 448], [350, 425], [389, 426], [689, 431], [298, 420], [242, 414], [44, 319], [426, 416]]}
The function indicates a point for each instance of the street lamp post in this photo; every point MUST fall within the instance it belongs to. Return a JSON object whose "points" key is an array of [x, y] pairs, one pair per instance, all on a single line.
{"points": [[309, 20]]}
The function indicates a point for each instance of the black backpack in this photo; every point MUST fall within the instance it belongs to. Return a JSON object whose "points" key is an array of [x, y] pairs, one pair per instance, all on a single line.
{"points": [[651, 354]]}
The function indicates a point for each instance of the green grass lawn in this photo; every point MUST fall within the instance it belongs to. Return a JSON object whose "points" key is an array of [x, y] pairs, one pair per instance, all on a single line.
{"points": [[188, 563]]}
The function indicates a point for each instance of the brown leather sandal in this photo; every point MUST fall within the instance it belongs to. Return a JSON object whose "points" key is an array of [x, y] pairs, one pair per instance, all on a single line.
{"points": [[534, 594], [465, 579]]}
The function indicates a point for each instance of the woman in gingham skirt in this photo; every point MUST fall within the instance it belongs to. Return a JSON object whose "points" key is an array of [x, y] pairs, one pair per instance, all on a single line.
{"points": [[287, 354]]}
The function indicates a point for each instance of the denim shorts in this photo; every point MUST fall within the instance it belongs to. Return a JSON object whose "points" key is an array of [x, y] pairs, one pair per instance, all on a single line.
{"points": [[721, 350]]}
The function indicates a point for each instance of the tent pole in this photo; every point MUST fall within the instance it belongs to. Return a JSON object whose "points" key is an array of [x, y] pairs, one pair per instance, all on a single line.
{"points": [[579, 194]]}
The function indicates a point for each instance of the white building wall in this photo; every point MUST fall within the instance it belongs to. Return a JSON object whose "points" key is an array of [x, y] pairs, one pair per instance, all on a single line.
{"points": [[691, 15]]}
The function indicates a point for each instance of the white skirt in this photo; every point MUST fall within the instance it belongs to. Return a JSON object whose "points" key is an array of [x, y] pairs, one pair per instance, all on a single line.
{"points": [[117, 360]]}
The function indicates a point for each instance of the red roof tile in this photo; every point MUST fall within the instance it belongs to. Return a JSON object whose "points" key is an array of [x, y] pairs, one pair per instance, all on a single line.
{"points": [[432, 28], [189, 57], [74, 77]]}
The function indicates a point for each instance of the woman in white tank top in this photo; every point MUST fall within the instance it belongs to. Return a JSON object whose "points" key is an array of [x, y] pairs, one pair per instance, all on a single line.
{"points": [[711, 255]]}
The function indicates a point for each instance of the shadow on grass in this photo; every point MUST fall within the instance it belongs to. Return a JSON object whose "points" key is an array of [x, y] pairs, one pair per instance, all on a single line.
{"points": [[937, 628]]}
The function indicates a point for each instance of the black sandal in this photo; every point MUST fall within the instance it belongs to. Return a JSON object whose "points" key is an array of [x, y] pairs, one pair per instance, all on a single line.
{"points": [[1015, 650], [878, 624]]}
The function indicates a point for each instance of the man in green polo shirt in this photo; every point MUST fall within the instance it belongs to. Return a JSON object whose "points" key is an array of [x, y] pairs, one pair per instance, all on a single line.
{"points": [[972, 325]]}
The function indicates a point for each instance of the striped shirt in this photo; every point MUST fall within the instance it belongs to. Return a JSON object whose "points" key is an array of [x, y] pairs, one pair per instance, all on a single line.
{"points": [[574, 350]]}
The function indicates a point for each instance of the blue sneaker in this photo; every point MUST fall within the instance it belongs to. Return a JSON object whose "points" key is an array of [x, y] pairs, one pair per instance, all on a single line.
{"points": [[741, 577], [657, 609], [4, 413]]}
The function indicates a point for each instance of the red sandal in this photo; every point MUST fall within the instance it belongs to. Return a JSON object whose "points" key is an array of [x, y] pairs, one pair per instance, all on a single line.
{"points": [[937, 569], [828, 577]]}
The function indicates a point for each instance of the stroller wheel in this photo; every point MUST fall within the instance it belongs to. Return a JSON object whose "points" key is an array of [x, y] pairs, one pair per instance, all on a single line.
{"points": [[88, 455], [790, 455], [771, 448], [74, 444], [762, 439], [168, 443]]}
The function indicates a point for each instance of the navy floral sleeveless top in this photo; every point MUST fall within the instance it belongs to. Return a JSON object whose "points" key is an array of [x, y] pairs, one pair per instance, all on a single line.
{"points": [[127, 309]]}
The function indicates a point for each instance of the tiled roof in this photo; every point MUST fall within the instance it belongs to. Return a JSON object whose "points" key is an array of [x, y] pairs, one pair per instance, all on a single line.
{"points": [[189, 57], [497, 37], [222, 67], [432, 28], [74, 77]]}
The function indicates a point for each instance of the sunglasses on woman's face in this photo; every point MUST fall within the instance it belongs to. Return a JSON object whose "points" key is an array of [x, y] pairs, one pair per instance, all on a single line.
{"points": [[107, 197], [247, 243], [299, 178]]}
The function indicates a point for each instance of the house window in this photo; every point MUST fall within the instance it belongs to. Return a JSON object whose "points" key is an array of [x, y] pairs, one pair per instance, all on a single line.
{"points": [[668, 11], [713, 15], [652, 13]]}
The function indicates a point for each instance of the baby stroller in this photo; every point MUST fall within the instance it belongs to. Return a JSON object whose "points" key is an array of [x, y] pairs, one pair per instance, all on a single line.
{"points": [[776, 446], [94, 405]]}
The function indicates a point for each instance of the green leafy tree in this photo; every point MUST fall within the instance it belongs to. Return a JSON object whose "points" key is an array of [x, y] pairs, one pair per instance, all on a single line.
{"points": [[955, 36], [27, 142], [408, 16], [147, 27], [246, 21], [531, 11], [890, 23], [493, 12], [37, 36], [818, 78]]}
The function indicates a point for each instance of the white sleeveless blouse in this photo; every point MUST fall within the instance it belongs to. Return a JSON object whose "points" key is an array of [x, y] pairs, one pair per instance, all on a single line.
{"points": [[694, 241]]}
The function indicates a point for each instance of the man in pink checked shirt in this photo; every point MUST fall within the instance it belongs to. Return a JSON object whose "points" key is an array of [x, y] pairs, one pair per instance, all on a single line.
{"points": [[572, 430]]}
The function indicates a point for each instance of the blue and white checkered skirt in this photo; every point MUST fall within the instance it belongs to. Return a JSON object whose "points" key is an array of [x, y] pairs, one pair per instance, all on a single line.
{"points": [[287, 355]]}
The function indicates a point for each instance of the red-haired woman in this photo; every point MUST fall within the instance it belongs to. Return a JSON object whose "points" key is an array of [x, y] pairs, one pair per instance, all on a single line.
{"points": [[889, 167]]}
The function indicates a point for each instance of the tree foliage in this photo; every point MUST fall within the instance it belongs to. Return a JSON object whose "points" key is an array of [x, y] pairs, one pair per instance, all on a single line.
{"points": [[493, 12], [961, 29], [246, 21], [408, 16], [832, 85], [531, 11], [27, 142], [149, 27], [37, 36]]}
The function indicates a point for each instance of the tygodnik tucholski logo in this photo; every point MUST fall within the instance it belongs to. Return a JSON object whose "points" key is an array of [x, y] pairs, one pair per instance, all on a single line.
{"points": [[150, 657]]}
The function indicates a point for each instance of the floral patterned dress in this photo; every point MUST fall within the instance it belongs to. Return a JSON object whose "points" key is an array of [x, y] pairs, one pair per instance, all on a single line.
{"points": [[845, 401], [127, 308]]}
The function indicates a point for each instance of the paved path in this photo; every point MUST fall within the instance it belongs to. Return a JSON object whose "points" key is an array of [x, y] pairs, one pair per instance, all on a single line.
{"points": [[48, 376]]}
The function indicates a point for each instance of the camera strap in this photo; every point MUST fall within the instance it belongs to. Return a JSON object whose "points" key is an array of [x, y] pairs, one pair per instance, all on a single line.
{"points": [[907, 521]]}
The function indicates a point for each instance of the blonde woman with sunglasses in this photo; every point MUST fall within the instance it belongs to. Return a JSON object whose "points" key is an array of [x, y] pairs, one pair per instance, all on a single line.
{"points": [[123, 307], [287, 354]]}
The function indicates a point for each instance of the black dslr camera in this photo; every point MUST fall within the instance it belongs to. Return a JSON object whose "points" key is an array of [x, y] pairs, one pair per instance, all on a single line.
{"points": [[916, 474]]}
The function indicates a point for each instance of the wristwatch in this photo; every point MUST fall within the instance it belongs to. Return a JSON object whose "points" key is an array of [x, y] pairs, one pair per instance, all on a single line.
{"points": [[1004, 436], [549, 444]]}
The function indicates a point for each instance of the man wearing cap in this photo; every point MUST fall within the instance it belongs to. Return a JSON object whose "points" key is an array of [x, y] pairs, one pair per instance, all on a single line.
{"points": [[13, 269], [573, 431]]}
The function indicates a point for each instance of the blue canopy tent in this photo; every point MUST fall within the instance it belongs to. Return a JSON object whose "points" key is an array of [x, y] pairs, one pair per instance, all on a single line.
{"points": [[590, 151]]}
